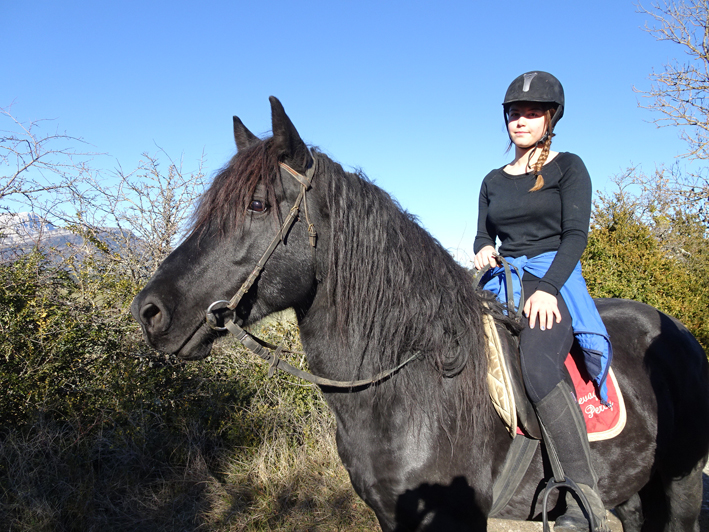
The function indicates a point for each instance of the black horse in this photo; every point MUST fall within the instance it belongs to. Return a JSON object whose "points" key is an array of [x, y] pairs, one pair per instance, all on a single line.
{"points": [[424, 446]]}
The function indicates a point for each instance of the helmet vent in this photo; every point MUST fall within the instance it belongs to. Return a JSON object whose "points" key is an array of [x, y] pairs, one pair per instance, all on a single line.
{"points": [[528, 81]]}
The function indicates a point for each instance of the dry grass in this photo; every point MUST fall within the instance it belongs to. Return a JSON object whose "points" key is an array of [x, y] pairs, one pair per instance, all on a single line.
{"points": [[55, 479], [148, 478], [278, 487]]}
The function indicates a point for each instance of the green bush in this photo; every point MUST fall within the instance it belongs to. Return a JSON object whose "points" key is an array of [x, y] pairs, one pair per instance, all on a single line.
{"points": [[71, 350], [661, 260], [98, 431]]}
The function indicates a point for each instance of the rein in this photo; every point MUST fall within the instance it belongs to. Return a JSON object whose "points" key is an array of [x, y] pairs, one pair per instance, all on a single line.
{"points": [[509, 290], [261, 347]]}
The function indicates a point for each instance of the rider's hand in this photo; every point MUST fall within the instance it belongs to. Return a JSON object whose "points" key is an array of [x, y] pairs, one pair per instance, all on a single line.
{"points": [[484, 257], [543, 306]]}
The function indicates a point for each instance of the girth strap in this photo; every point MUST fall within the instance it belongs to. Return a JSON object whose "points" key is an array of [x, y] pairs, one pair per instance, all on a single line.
{"points": [[519, 456]]}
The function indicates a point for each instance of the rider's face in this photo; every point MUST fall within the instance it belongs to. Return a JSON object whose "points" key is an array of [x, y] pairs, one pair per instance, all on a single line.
{"points": [[526, 124]]}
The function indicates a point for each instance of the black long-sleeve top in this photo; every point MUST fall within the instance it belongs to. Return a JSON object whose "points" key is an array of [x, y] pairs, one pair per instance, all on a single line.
{"points": [[554, 218]]}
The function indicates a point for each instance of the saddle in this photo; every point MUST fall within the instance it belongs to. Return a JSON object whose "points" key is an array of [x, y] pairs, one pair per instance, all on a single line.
{"points": [[506, 386], [510, 400], [504, 381]]}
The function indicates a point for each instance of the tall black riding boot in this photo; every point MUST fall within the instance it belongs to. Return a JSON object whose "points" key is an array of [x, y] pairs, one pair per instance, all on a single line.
{"points": [[561, 416]]}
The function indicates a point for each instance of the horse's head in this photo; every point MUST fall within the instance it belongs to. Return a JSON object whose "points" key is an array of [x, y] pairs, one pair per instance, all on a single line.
{"points": [[236, 222]]}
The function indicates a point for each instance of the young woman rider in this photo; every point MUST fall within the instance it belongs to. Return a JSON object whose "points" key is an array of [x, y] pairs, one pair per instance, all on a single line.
{"points": [[539, 207]]}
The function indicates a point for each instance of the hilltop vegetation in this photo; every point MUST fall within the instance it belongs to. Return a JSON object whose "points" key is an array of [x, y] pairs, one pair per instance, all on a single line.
{"points": [[97, 431]]}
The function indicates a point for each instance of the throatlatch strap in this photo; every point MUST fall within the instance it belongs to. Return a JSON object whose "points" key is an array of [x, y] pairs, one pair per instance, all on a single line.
{"points": [[260, 347]]}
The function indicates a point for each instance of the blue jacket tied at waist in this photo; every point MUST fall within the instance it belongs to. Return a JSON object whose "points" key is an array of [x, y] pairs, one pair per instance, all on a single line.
{"points": [[589, 330]]}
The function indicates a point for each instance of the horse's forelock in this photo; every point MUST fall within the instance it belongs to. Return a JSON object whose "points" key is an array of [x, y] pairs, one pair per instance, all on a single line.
{"points": [[224, 203]]}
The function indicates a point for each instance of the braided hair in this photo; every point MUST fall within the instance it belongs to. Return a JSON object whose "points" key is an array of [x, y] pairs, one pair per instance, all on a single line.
{"points": [[546, 148]]}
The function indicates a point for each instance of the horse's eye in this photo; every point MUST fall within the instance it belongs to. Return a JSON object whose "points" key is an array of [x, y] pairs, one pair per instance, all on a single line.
{"points": [[257, 206]]}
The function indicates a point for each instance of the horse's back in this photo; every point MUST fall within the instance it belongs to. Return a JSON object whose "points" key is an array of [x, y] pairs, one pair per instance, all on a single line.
{"points": [[649, 342]]}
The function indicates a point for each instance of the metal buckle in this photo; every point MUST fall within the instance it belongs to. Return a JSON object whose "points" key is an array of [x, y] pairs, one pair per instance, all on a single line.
{"points": [[212, 320]]}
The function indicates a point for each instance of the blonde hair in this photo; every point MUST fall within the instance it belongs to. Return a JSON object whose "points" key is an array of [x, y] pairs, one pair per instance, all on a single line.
{"points": [[546, 148]]}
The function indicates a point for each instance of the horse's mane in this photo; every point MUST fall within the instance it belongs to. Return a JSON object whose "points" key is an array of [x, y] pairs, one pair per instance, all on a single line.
{"points": [[397, 291], [394, 289]]}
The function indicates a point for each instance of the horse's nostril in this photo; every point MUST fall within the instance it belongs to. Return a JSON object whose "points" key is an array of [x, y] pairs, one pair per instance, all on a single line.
{"points": [[151, 316]]}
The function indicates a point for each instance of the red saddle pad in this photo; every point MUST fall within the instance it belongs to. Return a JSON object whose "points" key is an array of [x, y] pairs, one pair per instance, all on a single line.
{"points": [[602, 422]]}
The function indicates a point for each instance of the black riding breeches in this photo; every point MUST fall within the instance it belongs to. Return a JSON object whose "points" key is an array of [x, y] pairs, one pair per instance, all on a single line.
{"points": [[543, 352]]}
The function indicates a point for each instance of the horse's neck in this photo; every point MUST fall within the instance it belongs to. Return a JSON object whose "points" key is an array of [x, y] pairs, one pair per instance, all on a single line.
{"points": [[328, 351]]}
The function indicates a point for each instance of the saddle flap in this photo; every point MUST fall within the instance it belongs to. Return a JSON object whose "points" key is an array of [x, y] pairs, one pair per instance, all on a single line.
{"points": [[505, 381], [499, 383]]}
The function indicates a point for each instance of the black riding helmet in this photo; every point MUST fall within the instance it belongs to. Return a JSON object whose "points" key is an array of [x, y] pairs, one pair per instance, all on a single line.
{"points": [[536, 86]]}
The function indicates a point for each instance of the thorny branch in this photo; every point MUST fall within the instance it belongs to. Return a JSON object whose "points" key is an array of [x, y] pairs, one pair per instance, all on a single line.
{"points": [[149, 206], [680, 93], [34, 164]]}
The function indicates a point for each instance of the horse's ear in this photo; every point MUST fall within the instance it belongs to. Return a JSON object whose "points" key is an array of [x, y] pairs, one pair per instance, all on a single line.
{"points": [[287, 141], [243, 137]]}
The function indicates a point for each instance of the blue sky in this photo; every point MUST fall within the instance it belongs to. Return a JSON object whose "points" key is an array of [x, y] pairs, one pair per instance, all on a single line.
{"points": [[408, 91]]}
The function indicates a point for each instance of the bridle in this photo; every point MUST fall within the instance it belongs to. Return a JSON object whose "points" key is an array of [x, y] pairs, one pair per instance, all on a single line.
{"points": [[261, 347], [305, 184]]}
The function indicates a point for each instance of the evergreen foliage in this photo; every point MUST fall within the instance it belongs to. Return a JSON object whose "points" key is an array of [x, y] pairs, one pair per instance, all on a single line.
{"points": [[650, 248]]}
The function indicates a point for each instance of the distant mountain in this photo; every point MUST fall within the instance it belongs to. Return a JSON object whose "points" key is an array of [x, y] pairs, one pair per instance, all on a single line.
{"points": [[22, 232]]}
